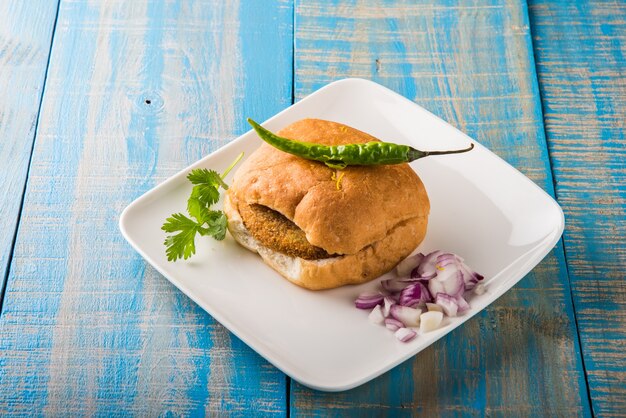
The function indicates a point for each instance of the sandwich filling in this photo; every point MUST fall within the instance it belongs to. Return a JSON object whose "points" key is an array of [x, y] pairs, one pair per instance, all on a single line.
{"points": [[276, 232]]}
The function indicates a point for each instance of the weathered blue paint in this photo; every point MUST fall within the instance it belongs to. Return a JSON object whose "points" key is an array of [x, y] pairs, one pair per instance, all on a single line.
{"points": [[471, 64], [24, 50], [87, 328], [580, 47], [265, 64], [118, 368], [29, 312], [136, 91]]}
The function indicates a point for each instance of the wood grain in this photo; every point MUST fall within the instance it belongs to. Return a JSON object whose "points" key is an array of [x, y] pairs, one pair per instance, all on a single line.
{"points": [[25, 37], [135, 92], [581, 64], [472, 64]]}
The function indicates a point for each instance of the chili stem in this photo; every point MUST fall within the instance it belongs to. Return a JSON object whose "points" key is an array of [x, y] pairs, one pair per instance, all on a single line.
{"points": [[230, 167]]}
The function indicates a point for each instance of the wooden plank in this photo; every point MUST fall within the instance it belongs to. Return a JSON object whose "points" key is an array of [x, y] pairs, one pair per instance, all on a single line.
{"points": [[471, 63], [136, 91], [25, 36], [580, 52]]}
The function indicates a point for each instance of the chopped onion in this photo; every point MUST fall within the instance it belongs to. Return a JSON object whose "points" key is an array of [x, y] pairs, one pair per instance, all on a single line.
{"points": [[448, 304], [393, 324], [405, 334], [438, 280], [369, 300], [406, 266], [410, 317], [479, 289], [434, 307], [388, 304], [430, 321], [414, 295], [376, 316], [463, 305], [394, 285], [471, 278], [446, 259], [449, 280], [427, 268]]}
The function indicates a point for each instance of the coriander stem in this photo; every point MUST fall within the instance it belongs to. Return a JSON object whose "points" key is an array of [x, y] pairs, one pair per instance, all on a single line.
{"points": [[230, 167]]}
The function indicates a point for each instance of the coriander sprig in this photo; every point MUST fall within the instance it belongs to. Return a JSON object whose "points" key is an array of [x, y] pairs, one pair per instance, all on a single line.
{"points": [[205, 192]]}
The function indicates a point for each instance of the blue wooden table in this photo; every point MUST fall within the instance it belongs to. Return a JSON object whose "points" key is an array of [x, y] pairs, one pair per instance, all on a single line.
{"points": [[104, 99]]}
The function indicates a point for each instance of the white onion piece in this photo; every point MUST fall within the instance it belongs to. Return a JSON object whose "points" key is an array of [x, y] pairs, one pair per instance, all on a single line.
{"points": [[410, 317], [376, 316], [406, 266], [405, 334], [430, 321], [433, 307], [388, 304], [479, 289]]}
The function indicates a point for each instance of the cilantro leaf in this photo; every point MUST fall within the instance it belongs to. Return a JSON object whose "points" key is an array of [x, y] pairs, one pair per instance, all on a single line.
{"points": [[197, 209], [207, 222], [217, 224], [182, 244], [206, 194], [206, 177]]}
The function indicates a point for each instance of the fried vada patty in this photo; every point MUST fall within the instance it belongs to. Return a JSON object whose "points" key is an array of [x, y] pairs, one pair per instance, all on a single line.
{"points": [[278, 233]]}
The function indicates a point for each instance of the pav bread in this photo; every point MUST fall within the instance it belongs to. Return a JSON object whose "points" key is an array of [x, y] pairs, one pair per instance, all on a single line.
{"points": [[320, 227]]}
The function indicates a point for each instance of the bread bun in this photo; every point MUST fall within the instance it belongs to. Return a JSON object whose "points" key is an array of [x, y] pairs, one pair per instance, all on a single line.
{"points": [[366, 219]]}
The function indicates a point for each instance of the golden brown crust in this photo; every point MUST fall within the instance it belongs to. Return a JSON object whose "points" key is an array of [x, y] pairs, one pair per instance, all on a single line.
{"points": [[368, 203]]}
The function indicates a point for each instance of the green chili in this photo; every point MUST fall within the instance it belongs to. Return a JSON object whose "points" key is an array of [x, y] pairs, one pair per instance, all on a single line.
{"points": [[340, 156]]}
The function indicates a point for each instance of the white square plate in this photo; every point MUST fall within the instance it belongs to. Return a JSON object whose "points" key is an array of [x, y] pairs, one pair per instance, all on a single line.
{"points": [[481, 208]]}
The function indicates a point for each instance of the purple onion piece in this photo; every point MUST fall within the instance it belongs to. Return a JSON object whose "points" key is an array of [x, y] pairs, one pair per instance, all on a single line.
{"points": [[463, 305], [446, 258], [393, 285], [445, 263], [471, 278], [448, 303], [404, 267], [405, 334], [425, 283], [427, 266], [449, 281], [414, 295], [368, 300], [393, 324], [416, 276], [396, 285], [442, 275], [394, 296]]}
